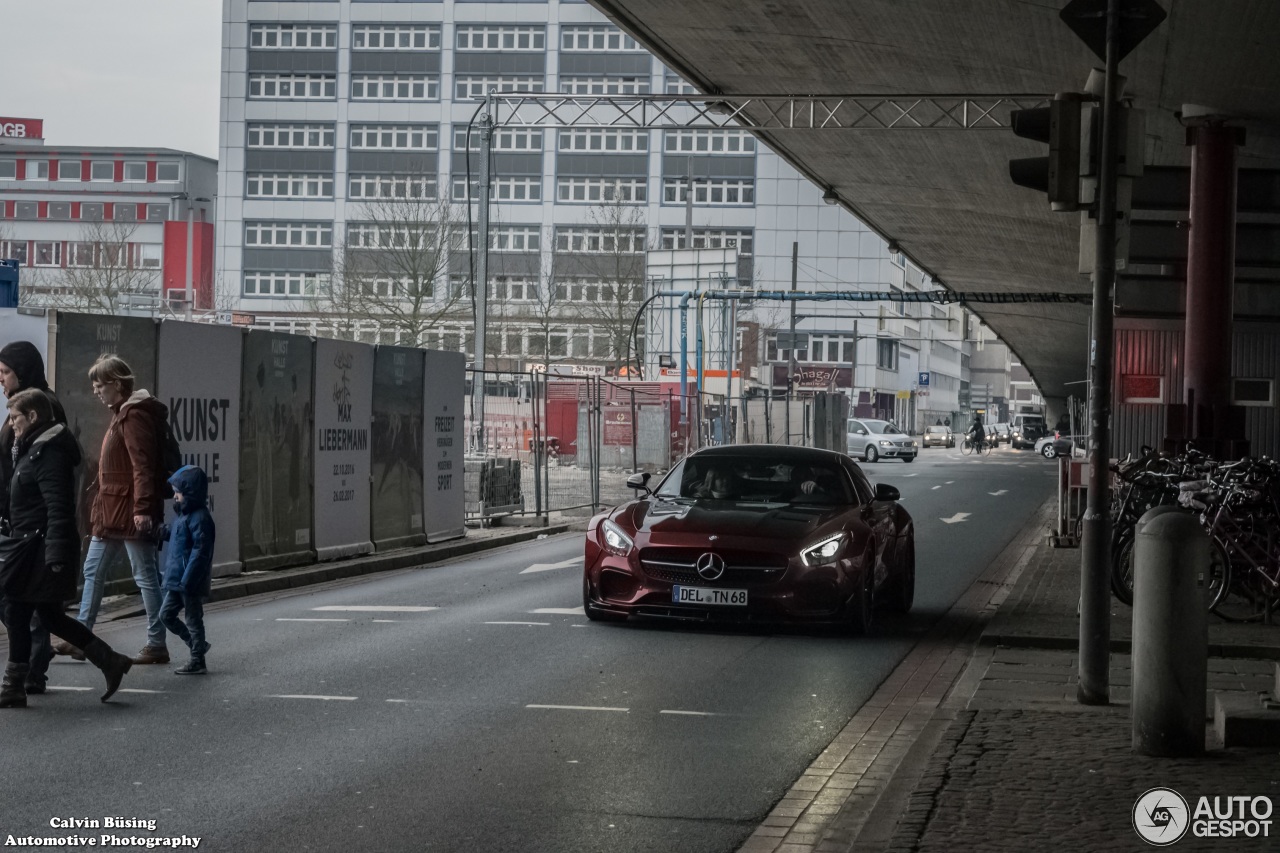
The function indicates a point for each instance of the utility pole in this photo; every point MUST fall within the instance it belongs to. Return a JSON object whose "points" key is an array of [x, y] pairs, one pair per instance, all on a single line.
{"points": [[791, 362], [481, 285]]}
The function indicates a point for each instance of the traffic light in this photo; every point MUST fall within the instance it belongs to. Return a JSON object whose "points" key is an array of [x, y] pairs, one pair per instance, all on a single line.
{"points": [[1057, 175]]}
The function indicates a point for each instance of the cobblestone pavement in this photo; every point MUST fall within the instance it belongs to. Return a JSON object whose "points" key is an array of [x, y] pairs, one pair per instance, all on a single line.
{"points": [[976, 741]]}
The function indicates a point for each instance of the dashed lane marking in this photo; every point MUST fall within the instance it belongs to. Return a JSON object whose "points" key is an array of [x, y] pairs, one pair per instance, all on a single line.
{"points": [[546, 567], [560, 611], [375, 608], [298, 619], [86, 689], [937, 487], [518, 623], [312, 696], [690, 713], [577, 708]]}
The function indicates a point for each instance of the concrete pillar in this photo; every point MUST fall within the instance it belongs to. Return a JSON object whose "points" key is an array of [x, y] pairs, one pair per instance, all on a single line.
{"points": [[1211, 251]]}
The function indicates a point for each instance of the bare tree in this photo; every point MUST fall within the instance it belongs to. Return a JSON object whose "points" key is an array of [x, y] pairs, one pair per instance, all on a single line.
{"points": [[392, 270], [101, 274]]}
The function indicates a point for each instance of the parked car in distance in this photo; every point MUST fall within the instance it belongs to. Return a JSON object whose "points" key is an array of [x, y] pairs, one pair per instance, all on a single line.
{"points": [[872, 440], [753, 534], [1001, 432], [938, 436]]}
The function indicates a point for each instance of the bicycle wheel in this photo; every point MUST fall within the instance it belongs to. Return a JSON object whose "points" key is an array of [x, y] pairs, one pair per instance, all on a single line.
{"points": [[966, 447], [1122, 567], [986, 448], [1238, 599]]}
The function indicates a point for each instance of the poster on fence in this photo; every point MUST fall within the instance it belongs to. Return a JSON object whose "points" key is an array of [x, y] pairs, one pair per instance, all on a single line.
{"points": [[275, 453], [443, 392], [397, 447], [344, 407], [199, 382]]}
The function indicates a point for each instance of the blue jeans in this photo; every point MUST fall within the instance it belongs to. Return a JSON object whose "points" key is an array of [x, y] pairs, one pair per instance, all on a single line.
{"points": [[191, 633], [146, 574]]}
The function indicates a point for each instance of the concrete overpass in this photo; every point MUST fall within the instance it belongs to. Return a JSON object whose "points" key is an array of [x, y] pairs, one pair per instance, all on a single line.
{"points": [[944, 196]]}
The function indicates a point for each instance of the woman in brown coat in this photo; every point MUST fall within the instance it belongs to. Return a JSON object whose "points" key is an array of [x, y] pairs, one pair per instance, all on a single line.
{"points": [[129, 503], [37, 569]]}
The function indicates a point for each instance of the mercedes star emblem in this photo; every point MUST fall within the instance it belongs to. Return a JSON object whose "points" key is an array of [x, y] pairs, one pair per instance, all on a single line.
{"points": [[710, 566]]}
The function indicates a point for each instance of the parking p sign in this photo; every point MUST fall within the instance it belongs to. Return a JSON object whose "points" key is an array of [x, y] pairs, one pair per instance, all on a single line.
{"points": [[924, 378]]}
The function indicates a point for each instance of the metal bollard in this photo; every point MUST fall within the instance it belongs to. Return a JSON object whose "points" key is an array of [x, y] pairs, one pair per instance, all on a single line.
{"points": [[1170, 633]]}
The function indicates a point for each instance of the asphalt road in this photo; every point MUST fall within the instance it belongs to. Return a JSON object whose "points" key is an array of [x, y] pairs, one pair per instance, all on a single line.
{"points": [[472, 707]]}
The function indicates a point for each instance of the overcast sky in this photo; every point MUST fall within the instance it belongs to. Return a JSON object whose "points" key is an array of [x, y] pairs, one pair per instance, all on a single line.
{"points": [[115, 72]]}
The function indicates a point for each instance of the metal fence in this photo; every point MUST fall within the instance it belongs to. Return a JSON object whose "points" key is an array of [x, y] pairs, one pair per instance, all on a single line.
{"points": [[567, 443]]}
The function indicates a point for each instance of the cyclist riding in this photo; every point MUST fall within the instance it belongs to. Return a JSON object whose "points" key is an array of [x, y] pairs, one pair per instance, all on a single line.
{"points": [[977, 433]]}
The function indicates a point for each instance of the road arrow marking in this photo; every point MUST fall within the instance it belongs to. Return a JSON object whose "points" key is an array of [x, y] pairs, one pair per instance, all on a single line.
{"points": [[959, 516], [546, 567], [999, 493]]}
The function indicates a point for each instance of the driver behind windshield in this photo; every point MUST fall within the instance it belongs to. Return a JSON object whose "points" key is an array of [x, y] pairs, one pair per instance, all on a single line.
{"points": [[718, 485]]}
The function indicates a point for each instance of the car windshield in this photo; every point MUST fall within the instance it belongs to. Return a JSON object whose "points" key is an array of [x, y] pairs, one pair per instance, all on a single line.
{"points": [[883, 427], [753, 479], [936, 430]]}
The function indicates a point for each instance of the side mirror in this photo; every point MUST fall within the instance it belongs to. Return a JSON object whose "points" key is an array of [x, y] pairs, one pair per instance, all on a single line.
{"points": [[640, 481], [885, 492], [862, 432]]}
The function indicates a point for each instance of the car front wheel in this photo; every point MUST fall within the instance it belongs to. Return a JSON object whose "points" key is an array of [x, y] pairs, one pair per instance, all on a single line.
{"points": [[871, 454], [908, 459], [1049, 452], [904, 587]]}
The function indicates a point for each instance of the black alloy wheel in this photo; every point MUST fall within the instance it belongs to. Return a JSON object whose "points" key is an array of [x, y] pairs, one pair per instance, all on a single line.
{"points": [[862, 613]]}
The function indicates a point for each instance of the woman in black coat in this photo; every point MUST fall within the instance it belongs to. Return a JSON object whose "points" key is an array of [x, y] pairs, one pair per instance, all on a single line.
{"points": [[39, 556]]}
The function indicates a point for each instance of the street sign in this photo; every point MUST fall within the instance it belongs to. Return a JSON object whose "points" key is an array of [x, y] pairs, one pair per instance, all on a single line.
{"points": [[1088, 20], [924, 379]]}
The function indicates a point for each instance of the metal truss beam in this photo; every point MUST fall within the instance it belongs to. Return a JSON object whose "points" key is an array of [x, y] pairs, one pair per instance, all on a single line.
{"points": [[761, 112]]}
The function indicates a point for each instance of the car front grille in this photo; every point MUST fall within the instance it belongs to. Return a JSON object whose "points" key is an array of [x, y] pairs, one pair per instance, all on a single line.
{"points": [[679, 565]]}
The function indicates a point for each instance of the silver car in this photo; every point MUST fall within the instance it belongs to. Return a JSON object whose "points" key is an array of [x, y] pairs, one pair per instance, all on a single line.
{"points": [[874, 440]]}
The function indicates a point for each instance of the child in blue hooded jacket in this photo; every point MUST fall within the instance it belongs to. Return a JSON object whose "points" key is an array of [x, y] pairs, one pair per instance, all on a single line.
{"points": [[188, 564]]}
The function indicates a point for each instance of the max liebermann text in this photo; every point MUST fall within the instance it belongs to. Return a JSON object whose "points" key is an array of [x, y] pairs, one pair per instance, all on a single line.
{"points": [[103, 839]]}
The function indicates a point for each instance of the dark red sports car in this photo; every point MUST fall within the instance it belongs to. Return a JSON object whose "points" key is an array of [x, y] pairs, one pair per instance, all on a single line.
{"points": [[753, 533]]}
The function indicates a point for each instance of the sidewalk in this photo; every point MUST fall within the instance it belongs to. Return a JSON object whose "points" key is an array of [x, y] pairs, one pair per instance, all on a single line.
{"points": [[976, 741]]}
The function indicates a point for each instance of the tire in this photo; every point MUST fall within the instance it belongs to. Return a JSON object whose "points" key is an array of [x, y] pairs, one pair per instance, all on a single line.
{"points": [[1048, 451], [1122, 567], [908, 459], [966, 447], [1233, 608], [862, 609], [904, 588], [987, 447], [594, 613], [871, 454]]}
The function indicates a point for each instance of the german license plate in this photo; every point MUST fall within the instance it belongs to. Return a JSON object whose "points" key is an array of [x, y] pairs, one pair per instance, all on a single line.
{"points": [[708, 595]]}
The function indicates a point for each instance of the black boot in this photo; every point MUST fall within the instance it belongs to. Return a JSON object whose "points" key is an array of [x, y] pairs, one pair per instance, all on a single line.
{"points": [[112, 664], [13, 693]]}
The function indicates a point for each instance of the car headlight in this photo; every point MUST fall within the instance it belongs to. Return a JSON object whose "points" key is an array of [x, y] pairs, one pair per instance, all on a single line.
{"points": [[884, 443], [615, 540], [913, 444], [823, 551]]}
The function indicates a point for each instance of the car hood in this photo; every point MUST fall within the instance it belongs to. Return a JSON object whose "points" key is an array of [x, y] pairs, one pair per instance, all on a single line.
{"points": [[672, 523]]}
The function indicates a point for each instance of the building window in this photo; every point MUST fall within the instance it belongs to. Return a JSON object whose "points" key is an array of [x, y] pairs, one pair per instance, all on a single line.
{"points": [[15, 250], [91, 211], [157, 212], [47, 254], [515, 238], [288, 186], [468, 86], [81, 254], [127, 212], [506, 139], [598, 291], [674, 85], [297, 234], [394, 37], [576, 85], [602, 140], [305, 87], [167, 170], [392, 186], [37, 170], [509, 188], [886, 354], [372, 236], [600, 240], [390, 137], [596, 190], [59, 210], [716, 191], [595, 39], [743, 240], [1253, 392], [1136, 389], [708, 142], [394, 87], [8, 170], [513, 289], [293, 36], [102, 170], [284, 283], [147, 255], [70, 170], [135, 170], [501, 38], [290, 136]]}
